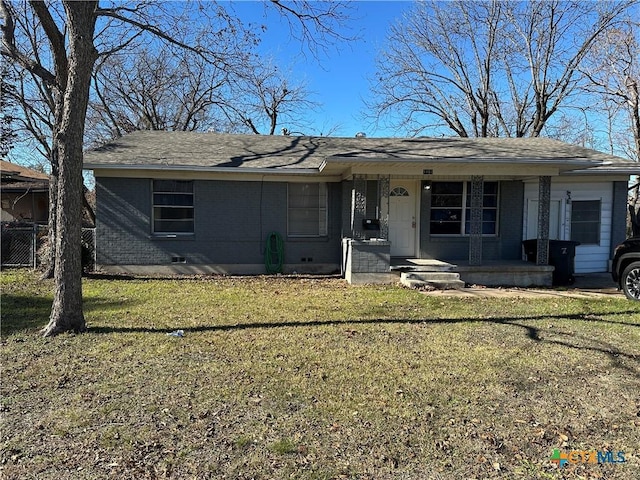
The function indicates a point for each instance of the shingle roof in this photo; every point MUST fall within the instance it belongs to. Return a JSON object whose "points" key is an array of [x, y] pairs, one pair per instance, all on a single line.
{"points": [[10, 170], [157, 149]]}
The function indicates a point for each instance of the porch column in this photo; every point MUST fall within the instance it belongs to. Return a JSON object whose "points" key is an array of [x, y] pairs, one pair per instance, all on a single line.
{"points": [[358, 205], [475, 234], [383, 196], [544, 206]]}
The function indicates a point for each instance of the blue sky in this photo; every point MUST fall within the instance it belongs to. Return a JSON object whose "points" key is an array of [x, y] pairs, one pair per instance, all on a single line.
{"points": [[339, 79]]}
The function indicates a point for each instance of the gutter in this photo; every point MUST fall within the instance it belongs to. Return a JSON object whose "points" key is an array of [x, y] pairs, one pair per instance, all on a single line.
{"points": [[192, 168], [498, 160]]}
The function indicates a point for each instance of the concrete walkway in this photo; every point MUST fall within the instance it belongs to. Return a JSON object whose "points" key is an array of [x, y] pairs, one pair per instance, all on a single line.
{"points": [[593, 285]]}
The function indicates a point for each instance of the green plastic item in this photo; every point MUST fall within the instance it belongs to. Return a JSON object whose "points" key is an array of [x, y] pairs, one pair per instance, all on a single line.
{"points": [[274, 253]]}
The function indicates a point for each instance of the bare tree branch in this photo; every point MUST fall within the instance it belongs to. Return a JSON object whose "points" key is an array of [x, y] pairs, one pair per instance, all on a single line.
{"points": [[317, 25], [10, 50], [56, 39], [487, 68]]}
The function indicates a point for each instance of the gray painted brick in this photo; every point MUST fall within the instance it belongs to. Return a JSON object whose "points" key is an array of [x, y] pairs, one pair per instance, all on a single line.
{"points": [[505, 246], [232, 222]]}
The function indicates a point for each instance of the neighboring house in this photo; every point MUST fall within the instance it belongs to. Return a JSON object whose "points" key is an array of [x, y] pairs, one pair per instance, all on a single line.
{"points": [[24, 194], [206, 202]]}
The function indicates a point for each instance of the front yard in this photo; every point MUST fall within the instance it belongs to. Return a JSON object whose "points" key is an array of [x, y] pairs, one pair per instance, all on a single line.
{"points": [[309, 378]]}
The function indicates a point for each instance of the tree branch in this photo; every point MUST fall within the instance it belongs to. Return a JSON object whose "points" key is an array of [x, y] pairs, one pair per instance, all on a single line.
{"points": [[10, 50], [56, 39], [113, 13]]}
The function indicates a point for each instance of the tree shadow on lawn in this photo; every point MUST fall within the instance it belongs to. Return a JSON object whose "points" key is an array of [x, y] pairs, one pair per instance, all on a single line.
{"points": [[30, 312], [576, 341], [568, 340]]}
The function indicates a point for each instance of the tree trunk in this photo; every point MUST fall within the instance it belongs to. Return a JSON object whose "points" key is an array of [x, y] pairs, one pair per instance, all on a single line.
{"points": [[66, 312], [87, 206]]}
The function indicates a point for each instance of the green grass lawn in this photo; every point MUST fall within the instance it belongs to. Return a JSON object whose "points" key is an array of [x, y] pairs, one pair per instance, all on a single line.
{"points": [[304, 378]]}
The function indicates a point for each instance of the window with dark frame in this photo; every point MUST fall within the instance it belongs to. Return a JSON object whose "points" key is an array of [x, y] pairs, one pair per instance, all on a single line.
{"points": [[173, 207], [448, 217], [446, 208], [489, 209], [307, 209], [585, 221]]}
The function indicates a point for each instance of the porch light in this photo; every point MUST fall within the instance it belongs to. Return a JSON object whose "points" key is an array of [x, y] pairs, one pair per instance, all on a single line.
{"points": [[426, 186]]}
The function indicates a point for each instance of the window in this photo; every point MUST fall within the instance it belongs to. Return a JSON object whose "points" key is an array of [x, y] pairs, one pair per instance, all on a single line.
{"points": [[399, 192], [489, 209], [446, 207], [307, 209], [448, 217], [585, 221], [173, 206]]}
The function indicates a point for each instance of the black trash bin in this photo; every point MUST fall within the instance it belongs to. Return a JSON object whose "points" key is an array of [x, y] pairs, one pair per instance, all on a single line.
{"points": [[531, 249], [562, 254]]}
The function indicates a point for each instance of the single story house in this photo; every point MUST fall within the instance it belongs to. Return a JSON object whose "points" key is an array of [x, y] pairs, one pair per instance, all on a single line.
{"points": [[24, 194], [190, 202]]}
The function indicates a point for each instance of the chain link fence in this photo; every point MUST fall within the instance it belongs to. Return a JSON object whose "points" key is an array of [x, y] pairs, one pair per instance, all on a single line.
{"points": [[18, 245], [88, 249], [21, 243]]}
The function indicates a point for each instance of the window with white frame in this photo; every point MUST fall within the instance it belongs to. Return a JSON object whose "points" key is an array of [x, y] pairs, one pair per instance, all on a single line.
{"points": [[173, 207], [307, 209], [585, 221], [451, 208]]}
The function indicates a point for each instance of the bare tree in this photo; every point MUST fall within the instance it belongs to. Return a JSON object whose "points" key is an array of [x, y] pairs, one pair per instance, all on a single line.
{"points": [[424, 74], [158, 90], [613, 73], [76, 36], [35, 100], [265, 98], [73, 57], [487, 68]]}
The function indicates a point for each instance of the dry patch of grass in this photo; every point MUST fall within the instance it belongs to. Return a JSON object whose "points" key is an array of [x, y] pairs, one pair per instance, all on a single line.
{"points": [[313, 379]]}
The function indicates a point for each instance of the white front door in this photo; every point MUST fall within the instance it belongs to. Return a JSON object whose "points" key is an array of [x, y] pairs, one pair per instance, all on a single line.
{"points": [[402, 218], [554, 220]]}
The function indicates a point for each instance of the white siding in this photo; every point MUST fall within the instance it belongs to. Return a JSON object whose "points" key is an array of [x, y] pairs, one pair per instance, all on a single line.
{"points": [[589, 258]]}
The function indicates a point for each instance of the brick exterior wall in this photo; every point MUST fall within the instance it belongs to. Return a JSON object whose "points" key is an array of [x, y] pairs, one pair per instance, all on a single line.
{"points": [[232, 222], [369, 256], [505, 246]]}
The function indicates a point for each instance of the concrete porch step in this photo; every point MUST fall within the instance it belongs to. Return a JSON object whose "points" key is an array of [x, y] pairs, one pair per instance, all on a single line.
{"points": [[439, 280], [420, 265]]}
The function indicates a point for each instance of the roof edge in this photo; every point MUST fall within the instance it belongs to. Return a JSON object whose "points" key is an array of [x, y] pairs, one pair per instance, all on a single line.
{"points": [[532, 160], [195, 168]]}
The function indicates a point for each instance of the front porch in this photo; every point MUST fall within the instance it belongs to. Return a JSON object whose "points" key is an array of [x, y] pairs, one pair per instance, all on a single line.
{"points": [[369, 261], [511, 273], [395, 226]]}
